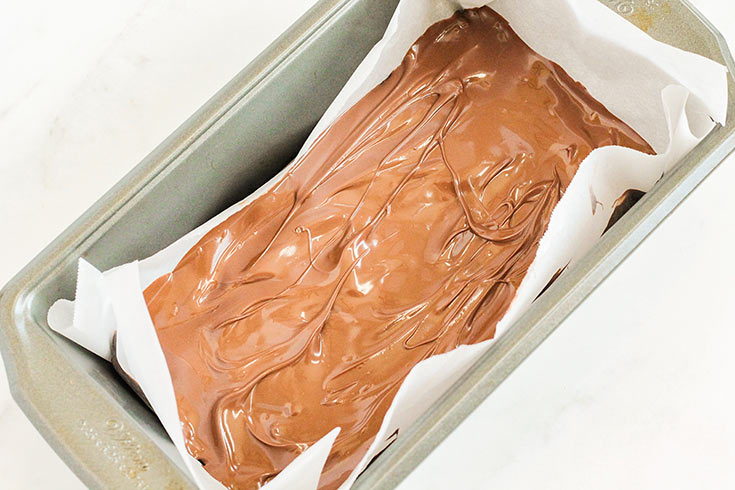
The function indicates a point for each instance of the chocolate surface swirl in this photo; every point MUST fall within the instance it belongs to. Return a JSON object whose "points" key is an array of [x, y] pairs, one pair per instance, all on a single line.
{"points": [[403, 232]]}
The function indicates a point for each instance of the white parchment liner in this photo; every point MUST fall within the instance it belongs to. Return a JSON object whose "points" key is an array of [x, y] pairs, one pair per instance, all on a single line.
{"points": [[669, 96]]}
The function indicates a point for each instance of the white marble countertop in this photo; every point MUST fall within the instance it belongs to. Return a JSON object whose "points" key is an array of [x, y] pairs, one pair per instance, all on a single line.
{"points": [[639, 396]]}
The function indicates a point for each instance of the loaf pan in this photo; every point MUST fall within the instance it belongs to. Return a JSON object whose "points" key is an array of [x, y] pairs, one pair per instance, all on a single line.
{"points": [[240, 138]]}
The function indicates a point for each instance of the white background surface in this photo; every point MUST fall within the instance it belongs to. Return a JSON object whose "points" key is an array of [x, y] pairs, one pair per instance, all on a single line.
{"points": [[634, 390]]}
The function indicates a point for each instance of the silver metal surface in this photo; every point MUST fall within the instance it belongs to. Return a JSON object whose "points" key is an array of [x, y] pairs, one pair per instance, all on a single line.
{"points": [[234, 143]]}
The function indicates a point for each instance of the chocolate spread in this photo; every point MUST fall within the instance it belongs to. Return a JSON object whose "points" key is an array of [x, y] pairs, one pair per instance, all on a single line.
{"points": [[402, 233]]}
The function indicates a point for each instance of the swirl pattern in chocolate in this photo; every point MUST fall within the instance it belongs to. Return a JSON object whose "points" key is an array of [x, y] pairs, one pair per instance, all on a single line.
{"points": [[403, 232]]}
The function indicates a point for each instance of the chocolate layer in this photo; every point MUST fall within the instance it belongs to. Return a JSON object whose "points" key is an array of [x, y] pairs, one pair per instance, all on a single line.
{"points": [[404, 232]]}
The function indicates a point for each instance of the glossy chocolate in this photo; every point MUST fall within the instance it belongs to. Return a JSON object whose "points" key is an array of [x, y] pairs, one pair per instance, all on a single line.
{"points": [[404, 232]]}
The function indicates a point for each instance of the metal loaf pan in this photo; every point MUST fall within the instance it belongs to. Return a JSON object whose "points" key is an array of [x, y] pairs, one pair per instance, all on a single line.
{"points": [[239, 139]]}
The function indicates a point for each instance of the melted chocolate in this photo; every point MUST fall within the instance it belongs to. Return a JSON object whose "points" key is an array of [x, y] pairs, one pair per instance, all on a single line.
{"points": [[404, 232]]}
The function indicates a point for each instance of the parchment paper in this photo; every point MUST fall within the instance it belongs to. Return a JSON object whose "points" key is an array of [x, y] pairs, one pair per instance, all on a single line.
{"points": [[670, 97]]}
